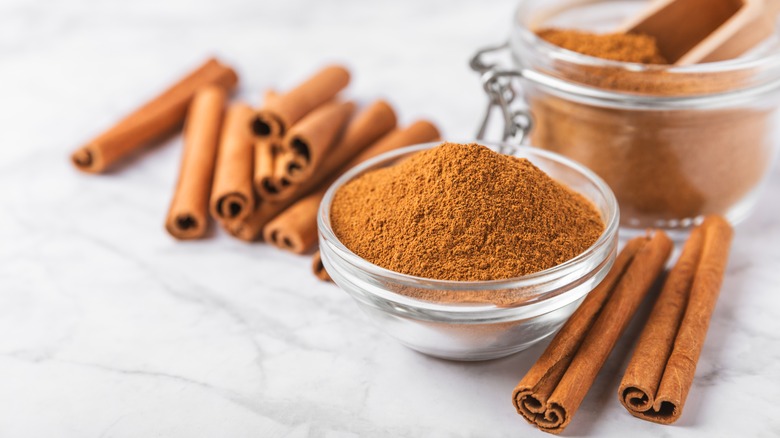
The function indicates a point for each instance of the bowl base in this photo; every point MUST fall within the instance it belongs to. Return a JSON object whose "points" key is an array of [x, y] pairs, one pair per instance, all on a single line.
{"points": [[477, 356]]}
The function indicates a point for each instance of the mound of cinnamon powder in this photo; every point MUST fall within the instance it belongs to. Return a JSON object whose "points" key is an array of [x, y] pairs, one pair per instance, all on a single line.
{"points": [[463, 212], [625, 47]]}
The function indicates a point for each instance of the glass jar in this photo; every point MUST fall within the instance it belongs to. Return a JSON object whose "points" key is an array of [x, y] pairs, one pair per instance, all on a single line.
{"points": [[474, 320], [673, 142]]}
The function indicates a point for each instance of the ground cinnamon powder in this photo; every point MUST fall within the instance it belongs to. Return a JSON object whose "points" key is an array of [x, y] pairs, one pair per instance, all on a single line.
{"points": [[666, 167], [624, 47], [463, 212]]}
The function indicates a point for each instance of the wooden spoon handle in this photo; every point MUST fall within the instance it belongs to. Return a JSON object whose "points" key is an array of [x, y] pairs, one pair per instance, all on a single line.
{"points": [[772, 9]]}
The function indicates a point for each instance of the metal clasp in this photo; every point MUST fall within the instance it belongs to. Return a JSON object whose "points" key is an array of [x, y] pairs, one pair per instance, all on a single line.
{"points": [[498, 84]]}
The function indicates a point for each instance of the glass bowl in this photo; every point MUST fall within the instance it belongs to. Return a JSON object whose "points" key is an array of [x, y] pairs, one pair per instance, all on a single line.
{"points": [[501, 317]]}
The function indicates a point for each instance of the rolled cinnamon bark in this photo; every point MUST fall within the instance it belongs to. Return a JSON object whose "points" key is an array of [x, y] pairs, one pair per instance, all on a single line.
{"points": [[292, 230], [268, 187], [157, 118], [363, 130], [377, 119], [309, 141], [553, 389], [289, 163], [421, 131], [266, 150], [188, 213], [660, 373], [265, 161], [281, 112], [232, 197], [318, 268], [296, 228], [250, 228]]}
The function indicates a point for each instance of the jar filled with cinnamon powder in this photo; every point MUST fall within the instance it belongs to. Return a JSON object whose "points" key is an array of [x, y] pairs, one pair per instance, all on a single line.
{"points": [[674, 143]]}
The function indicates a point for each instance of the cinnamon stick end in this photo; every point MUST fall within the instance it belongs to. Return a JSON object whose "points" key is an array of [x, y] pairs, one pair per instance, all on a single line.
{"points": [[278, 239], [228, 77], [267, 125], [232, 78], [548, 417], [289, 242], [424, 131], [273, 189], [233, 206], [295, 166], [340, 74], [85, 160], [720, 224], [301, 148], [319, 269], [639, 404], [185, 227], [266, 187]]}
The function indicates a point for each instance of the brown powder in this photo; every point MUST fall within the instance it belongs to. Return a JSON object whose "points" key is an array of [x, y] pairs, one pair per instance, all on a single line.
{"points": [[623, 47], [463, 212], [665, 167], [633, 48]]}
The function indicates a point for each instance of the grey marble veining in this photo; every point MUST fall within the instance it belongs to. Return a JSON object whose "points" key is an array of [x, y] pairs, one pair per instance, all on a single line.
{"points": [[110, 328]]}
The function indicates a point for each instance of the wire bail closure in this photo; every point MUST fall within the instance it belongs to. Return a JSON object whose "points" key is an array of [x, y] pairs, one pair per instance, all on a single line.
{"points": [[497, 83]]}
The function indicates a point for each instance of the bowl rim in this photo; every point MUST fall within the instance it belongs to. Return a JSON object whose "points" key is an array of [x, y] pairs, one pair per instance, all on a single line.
{"points": [[607, 236]]}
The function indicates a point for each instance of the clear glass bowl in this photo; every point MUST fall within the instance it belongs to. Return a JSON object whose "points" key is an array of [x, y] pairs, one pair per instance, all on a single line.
{"points": [[503, 316], [675, 143]]}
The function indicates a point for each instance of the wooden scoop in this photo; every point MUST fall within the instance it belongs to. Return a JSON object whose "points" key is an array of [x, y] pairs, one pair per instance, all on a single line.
{"points": [[696, 31]]}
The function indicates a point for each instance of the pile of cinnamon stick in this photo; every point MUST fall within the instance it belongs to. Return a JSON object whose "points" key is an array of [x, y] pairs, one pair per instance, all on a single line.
{"points": [[259, 173], [661, 370]]}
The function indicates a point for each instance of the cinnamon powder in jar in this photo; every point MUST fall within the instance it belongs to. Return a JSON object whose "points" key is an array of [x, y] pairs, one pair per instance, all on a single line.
{"points": [[666, 167], [615, 46], [465, 213]]}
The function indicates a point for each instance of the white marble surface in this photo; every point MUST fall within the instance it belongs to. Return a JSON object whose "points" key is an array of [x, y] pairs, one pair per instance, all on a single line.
{"points": [[108, 327]]}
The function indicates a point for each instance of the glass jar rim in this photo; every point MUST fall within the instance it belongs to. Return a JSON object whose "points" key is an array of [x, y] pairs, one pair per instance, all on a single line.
{"points": [[531, 280], [525, 41]]}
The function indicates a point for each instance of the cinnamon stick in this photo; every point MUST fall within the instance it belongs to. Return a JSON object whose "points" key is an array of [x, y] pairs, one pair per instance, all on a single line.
{"points": [[308, 142], [553, 389], [296, 228], [157, 118], [318, 268], [266, 150], [281, 112], [188, 213], [660, 373], [287, 163], [292, 230], [250, 228], [421, 131], [265, 160], [363, 130], [233, 197]]}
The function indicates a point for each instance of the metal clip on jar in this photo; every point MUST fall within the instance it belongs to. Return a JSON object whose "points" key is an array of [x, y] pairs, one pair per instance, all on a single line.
{"points": [[674, 142]]}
